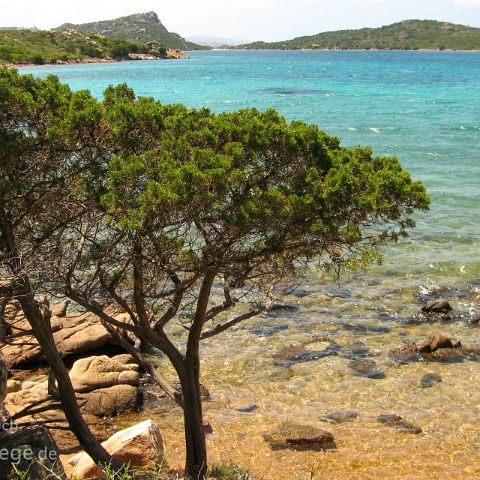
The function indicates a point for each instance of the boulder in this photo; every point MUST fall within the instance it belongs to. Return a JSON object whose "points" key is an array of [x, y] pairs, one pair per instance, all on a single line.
{"points": [[110, 401], [140, 446], [437, 306], [102, 372]]}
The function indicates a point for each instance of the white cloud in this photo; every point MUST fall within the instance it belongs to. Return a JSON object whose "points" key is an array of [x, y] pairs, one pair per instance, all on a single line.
{"points": [[468, 3]]}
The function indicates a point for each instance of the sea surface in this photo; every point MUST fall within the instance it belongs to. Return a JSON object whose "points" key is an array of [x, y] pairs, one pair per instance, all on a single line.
{"points": [[423, 107]]}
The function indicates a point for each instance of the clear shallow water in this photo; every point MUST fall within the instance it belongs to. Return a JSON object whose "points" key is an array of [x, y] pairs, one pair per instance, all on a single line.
{"points": [[423, 107]]}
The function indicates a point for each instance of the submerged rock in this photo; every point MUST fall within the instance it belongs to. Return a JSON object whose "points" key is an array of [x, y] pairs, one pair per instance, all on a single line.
{"points": [[437, 306], [207, 428], [251, 407], [396, 421], [293, 354], [366, 368], [319, 440], [429, 380], [436, 342], [436, 348], [355, 327], [405, 354], [355, 351], [267, 330], [340, 416], [300, 437]]}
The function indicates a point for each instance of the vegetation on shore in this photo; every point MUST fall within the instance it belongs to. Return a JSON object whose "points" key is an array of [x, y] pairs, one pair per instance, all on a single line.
{"points": [[139, 27], [68, 46], [181, 218], [406, 35]]}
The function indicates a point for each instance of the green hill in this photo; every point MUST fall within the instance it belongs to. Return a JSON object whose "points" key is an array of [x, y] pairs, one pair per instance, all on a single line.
{"points": [[39, 47], [140, 27], [406, 35]]}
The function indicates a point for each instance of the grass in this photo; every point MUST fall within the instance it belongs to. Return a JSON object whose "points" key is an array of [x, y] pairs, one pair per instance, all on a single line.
{"points": [[220, 471]]}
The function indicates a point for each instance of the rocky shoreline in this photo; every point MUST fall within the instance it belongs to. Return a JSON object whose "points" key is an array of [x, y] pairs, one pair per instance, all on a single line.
{"points": [[170, 55], [109, 383]]}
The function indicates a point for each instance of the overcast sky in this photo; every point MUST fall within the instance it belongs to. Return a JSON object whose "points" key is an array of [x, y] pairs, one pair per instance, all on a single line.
{"points": [[244, 19]]}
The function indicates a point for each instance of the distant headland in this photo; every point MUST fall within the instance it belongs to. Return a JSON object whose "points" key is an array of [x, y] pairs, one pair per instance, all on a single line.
{"points": [[405, 35]]}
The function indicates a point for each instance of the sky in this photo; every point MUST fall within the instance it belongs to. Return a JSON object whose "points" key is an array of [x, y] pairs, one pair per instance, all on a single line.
{"points": [[244, 19]]}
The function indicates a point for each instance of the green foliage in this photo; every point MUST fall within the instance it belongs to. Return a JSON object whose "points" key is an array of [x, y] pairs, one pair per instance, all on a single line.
{"points": [[406, 35], [280, 192], [39, 47]]}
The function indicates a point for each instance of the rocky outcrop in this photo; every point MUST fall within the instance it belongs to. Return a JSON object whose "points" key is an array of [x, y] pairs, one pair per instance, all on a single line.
{"points": [[137, 446], [105, 387], [139, 27], [74, 334]]}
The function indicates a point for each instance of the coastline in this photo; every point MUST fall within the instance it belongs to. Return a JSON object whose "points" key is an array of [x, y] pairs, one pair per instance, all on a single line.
{"points": [[171, 55], [446, 50]]}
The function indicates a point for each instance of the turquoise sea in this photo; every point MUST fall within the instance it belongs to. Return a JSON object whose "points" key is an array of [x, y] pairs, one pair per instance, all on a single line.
{"points": [[423, 107]]}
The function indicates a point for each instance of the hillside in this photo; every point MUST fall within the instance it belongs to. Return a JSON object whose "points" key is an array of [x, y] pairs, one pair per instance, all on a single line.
{"points": [[406, 35], [39, 47], [140, 27]]}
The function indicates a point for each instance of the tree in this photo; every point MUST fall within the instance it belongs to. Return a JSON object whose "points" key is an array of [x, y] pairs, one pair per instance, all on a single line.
{"points": [[195, 221], [37, 168]]}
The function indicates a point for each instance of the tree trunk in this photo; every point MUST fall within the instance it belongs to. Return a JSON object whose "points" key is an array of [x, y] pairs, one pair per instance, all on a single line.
{"points": [[22, 291], [43, 333], [196, 449]]}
